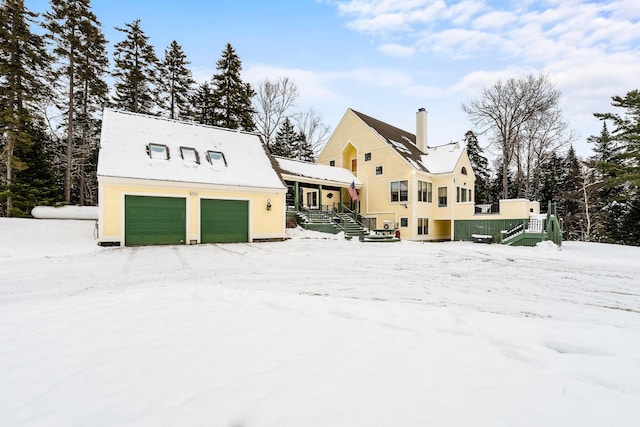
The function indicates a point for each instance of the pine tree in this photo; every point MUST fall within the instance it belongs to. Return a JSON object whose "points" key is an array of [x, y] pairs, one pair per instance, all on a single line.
{"points": [[80, 47], [232, 96], [551, 178], [627, 134], [480, 166], [175, 81], [604, 166], [37, 185], [284, 142], [135, 71], [24, 64], [570, 199], [302, 148], [202, 105], [621, 170]]}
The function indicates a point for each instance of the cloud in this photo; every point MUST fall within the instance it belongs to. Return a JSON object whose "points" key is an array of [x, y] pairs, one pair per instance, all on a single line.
{"points": [[397, 50]]}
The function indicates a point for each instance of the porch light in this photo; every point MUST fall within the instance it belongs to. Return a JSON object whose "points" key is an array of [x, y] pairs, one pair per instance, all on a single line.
{"points": [[268, 204]]}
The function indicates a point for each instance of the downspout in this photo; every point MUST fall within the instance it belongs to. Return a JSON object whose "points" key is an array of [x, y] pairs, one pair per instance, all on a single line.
{"points": [[453, 199]]}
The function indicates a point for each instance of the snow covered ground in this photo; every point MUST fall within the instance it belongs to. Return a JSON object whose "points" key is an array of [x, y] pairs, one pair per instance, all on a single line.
{"points": [[314, 331]]}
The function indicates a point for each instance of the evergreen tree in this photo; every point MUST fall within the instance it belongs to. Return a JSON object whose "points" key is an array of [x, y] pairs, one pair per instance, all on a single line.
{"points": [[36, 185], [605, 166], [620, 167], [80, 47], [551, 179], [135, 71], [24, 64], [627, 134], [232, 96], [480, 166], [302, 149], [570, 199], [175, 81], [202, 105], [284, 143]]}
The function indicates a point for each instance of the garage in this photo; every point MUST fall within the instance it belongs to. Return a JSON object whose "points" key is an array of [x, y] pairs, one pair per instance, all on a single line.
{"points": [[224, 221], [155, 220]]}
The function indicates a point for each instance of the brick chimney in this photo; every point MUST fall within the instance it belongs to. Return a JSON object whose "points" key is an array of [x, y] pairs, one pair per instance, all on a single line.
{"points": [[421, 130]]}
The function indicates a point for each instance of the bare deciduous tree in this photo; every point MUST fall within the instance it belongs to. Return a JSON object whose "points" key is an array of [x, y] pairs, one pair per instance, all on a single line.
{"points": [[272, 101], [543, 134], [513, 110], [310, 124]]}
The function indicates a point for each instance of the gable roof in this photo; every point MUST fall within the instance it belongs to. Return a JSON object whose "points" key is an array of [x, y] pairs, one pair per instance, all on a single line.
{"points": [[125, 138], [440, 159], [315, 171]]}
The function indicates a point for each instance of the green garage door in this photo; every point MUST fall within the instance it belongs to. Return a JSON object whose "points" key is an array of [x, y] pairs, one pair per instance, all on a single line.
{"points": [[154, 220], [224, 221]]}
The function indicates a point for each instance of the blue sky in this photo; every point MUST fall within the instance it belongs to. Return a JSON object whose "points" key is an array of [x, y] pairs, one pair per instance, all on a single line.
{"points": [[387, 58]]}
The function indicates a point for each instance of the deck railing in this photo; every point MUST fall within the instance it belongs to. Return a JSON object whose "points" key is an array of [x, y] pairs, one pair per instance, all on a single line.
{"points": [[487, 209]]}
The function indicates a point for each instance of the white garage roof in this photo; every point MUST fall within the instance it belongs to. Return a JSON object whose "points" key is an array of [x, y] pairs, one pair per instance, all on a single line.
{"points": [[124, 153]]}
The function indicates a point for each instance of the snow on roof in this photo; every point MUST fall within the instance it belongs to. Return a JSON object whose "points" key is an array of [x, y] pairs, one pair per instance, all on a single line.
{"points": [[316, 171], [125, 138], [442, 159]]}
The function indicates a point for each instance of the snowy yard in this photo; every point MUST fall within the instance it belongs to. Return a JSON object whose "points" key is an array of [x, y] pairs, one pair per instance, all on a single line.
{"points": [[314, 331]]}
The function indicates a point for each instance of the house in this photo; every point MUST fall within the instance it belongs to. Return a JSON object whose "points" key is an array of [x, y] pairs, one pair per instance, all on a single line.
{"points": [[315, 194], [162, 181], [425, 192]]}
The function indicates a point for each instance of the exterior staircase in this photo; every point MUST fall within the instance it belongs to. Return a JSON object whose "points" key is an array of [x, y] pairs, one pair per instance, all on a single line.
{"points": [[350, 226], [537, 229], [318, 220]]}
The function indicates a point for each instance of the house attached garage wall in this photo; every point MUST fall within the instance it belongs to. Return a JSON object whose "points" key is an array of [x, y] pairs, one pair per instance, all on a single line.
{"points": [[262, 223]]}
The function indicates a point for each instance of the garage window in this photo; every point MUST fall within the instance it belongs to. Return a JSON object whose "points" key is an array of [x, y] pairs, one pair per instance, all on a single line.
{"points": [[158, 151], [189, 154], [216, 158]]}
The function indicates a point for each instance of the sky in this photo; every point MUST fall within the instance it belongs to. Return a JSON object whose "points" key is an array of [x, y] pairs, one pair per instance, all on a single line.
{"points": [[388, 58]]}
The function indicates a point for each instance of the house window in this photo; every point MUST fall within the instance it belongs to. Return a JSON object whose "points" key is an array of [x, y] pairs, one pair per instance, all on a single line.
{"points": [[461, 194], [423, 226], [332, 162], [463, 171], [216, 158], [312, 199], [158, 151], [189, 154], [354, 165], [404, 222], [367, 157], [378, 170], [425, 191], [399, 191], [442, 197]]}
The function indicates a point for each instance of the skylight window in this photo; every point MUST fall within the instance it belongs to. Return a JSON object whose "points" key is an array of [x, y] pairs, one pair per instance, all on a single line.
{"points": [[216, 158], [158, 151], [189, 154]]}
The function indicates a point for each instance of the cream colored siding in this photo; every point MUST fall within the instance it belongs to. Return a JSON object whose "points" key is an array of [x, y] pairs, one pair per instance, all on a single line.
{"points": [[263, 223]]}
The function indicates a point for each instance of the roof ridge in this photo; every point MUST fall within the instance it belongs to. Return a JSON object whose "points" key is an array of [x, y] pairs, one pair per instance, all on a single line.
{"points": [[183, 122]]}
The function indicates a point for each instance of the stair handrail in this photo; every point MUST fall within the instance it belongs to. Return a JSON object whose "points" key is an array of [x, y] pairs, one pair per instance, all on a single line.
{"points": [[514, 231], [353, 217]]}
